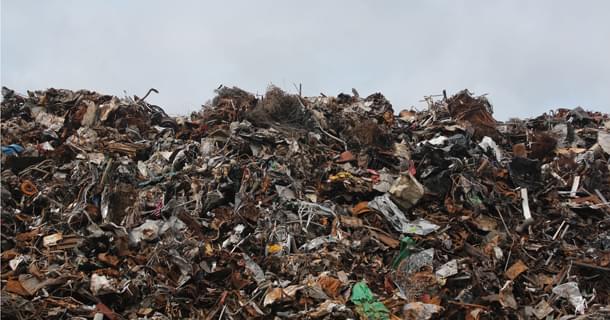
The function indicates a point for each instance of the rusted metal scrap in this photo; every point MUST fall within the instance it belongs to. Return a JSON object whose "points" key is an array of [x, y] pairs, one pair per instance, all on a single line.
{"points": [[284, 206]]}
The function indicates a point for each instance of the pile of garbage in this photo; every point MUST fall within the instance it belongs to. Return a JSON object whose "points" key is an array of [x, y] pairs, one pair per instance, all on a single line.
{"points": [[288, 207]]}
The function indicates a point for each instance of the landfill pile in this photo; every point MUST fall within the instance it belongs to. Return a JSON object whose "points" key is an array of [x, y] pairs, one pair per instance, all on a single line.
{"points": [[288, 207]]}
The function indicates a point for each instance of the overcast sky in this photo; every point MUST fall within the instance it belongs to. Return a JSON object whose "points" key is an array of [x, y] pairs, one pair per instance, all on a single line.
{"points": [[529, 56]]}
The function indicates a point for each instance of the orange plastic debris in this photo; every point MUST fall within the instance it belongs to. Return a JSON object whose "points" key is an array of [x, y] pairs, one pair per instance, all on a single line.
{"points": [[28, 188]]}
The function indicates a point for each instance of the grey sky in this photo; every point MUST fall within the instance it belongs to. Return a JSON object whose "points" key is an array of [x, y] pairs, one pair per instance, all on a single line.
{"points": [[529, 56]]}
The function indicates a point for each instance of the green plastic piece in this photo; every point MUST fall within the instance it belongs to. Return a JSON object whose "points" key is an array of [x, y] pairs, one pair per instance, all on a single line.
{"points": [[367, 305], [406, 244]]}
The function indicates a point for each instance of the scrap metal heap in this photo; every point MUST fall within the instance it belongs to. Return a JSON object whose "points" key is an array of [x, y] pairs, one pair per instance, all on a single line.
{"points": [[289, 207]]}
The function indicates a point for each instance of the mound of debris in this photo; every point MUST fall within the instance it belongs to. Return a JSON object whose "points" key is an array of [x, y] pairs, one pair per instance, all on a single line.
{"points": [[290, 207]]}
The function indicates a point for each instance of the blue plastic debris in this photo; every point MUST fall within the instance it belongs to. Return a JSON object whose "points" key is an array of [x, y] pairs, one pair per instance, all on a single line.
{"points": [[12, 150]]}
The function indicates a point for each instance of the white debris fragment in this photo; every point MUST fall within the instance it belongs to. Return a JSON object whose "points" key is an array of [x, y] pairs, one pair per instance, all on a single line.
{"points": [[570, 291], [447, 270], [101, 284], [525, 204], [488, 143]]}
